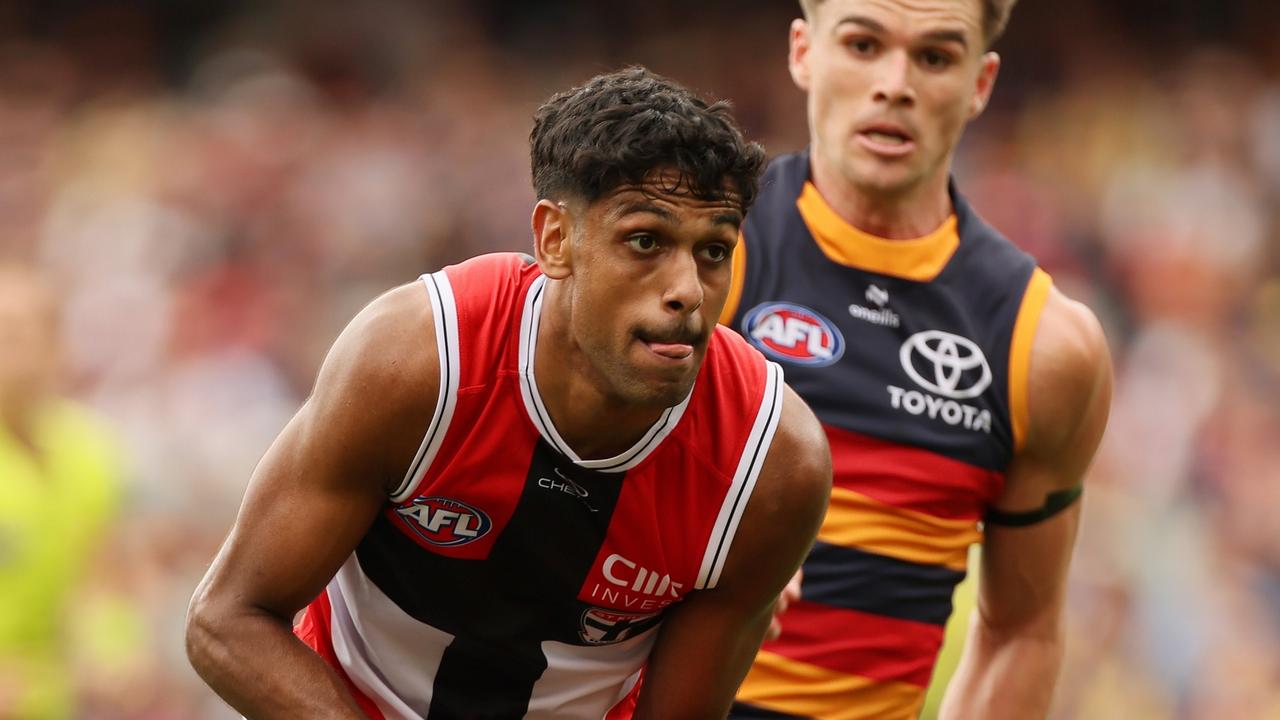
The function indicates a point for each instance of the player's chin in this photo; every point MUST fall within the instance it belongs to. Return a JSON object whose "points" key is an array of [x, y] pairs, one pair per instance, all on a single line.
{"points": [[884, 177], [663, 388]]}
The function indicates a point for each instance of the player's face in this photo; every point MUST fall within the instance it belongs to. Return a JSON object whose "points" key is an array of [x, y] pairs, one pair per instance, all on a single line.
{"points": [[650, 274], [891, 84]]}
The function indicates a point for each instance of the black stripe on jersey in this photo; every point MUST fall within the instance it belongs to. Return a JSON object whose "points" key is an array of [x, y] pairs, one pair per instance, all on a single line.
{"points": [[854, 579], [446, 375], [743, 711], [544, 420], [470, 684], [758, 454], [500, 609]]}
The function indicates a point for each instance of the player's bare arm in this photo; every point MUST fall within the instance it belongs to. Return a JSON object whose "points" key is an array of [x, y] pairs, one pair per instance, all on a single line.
{"points": [[1014, 648], [707, 643], [312, 497]]}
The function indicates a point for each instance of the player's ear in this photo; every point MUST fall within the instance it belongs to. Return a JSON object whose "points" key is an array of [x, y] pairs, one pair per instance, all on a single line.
{"points": [[551, 246], [986, 83], [798, 53]]}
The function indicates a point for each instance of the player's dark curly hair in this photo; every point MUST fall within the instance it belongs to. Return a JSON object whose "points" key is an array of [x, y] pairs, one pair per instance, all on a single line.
{"points": [[621, 127]]}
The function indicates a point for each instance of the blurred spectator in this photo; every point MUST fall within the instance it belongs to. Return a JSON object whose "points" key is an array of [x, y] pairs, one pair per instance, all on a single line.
{"points": [[59, 486]]}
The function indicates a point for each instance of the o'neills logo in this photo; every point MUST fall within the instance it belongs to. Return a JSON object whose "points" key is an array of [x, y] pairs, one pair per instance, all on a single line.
{"points": [[881, 316]]}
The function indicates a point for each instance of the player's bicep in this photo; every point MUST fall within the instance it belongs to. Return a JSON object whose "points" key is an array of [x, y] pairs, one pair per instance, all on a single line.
{"points": [[324, 479], [1030, 534], [294, 529]]}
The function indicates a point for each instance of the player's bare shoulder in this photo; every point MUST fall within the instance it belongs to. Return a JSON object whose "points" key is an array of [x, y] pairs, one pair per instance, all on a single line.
{"points": [[381, 378], [801, 458], [1069, 383], [790, 497]]}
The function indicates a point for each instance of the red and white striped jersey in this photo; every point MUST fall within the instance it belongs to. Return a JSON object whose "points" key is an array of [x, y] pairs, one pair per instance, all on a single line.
{"points": [[507, 577]]}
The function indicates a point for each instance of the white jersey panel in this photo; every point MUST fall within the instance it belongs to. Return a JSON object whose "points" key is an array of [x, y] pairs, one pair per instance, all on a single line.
{"points": [[389, 655], [584, 682]]}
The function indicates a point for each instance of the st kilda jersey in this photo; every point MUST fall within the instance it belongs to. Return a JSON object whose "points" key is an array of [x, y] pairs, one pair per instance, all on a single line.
{"points": [[914, 355], [509, 578]]}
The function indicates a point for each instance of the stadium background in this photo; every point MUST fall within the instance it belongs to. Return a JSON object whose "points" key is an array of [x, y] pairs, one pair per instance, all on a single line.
{"points": [[218, 186]]}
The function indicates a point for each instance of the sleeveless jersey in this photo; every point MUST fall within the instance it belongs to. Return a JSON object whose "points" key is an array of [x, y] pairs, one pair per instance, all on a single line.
{"points": [[507, 577], [913, 354]]}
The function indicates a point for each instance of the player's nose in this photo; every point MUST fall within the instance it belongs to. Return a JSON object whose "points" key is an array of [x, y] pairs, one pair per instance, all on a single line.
{"points": [[683, 286], [893, 81]]}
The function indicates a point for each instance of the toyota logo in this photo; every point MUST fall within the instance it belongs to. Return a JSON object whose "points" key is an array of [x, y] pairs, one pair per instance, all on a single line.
{"points": [[952, 365]]}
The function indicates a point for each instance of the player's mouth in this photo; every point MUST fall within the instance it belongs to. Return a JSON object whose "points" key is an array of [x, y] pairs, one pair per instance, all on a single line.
{"points": [[885, 139], [675, 347]]}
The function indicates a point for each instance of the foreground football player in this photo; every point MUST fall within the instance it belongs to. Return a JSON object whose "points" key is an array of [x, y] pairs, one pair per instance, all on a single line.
{"points": [[516, 480]]}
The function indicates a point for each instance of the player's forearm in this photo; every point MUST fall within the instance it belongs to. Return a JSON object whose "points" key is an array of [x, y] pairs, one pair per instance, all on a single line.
{"points": [[1004, 674], [254, 662]]}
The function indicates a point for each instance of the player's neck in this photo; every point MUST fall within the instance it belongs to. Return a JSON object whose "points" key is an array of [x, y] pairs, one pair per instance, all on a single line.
{"points": [[902, 215], [593, 423]]}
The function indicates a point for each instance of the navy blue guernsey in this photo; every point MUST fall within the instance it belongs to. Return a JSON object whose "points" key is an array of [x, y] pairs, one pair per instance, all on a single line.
{"points": [[913, 354]]}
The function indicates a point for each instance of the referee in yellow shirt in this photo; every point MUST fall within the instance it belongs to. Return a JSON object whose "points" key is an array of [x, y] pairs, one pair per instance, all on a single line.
{"points": [[58, 489]]}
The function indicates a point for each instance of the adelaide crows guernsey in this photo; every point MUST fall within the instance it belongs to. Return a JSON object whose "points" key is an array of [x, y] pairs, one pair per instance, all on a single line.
{"points": [[913, 354], [507, 577]]}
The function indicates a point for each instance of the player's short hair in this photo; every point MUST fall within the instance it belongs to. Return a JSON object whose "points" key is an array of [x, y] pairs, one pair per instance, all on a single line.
{"points": [[995, 16], [622, 127]]}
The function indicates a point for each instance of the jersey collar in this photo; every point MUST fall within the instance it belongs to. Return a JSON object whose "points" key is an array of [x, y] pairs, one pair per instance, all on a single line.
{"points": [[530, 321]]}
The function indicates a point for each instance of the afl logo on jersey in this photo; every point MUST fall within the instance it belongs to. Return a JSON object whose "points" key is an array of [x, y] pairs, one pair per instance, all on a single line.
{"points": [[445, 522], [793, 333]]}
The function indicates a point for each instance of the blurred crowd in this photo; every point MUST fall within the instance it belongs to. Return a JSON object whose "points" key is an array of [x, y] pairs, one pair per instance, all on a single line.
{"points": [[213, 197]]}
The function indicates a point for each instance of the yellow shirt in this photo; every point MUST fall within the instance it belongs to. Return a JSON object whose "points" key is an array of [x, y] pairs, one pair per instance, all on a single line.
{"points": [[54, 506]]}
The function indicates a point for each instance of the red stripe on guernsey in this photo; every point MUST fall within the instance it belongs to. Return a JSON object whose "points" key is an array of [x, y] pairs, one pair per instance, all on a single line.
{"points": [[489, 319], [313, 630], [910, 477], [857, 643], [626, 707]]}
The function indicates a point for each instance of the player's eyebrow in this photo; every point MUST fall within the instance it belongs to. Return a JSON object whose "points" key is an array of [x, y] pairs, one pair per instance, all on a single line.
{"points": [[955, 36], [864, 21], [645, 206], [728, 218], [731, 217], [942, 35]]}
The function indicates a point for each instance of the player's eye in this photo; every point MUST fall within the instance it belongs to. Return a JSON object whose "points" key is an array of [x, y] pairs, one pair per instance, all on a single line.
{"points": [[935, 59], [716, 253], [861, 45], [643, 243]]}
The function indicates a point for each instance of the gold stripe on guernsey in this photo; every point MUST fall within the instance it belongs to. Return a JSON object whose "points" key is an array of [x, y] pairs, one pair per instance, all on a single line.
{"points": [[855, 520], [827, 695], [735, 283], [919, 259], [1024, 333]]}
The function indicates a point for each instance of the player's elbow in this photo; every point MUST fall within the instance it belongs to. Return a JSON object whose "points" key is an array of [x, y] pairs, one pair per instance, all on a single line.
{"points": [[207, 632], [1044, 626]]}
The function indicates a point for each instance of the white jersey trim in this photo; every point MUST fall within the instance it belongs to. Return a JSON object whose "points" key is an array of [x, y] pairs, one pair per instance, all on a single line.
{"points": [[537, 411], [444, 310], [744, 479]]}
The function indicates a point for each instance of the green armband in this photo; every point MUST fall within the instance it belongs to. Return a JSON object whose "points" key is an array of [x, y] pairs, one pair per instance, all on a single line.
{"points": [[1054, 503]]}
